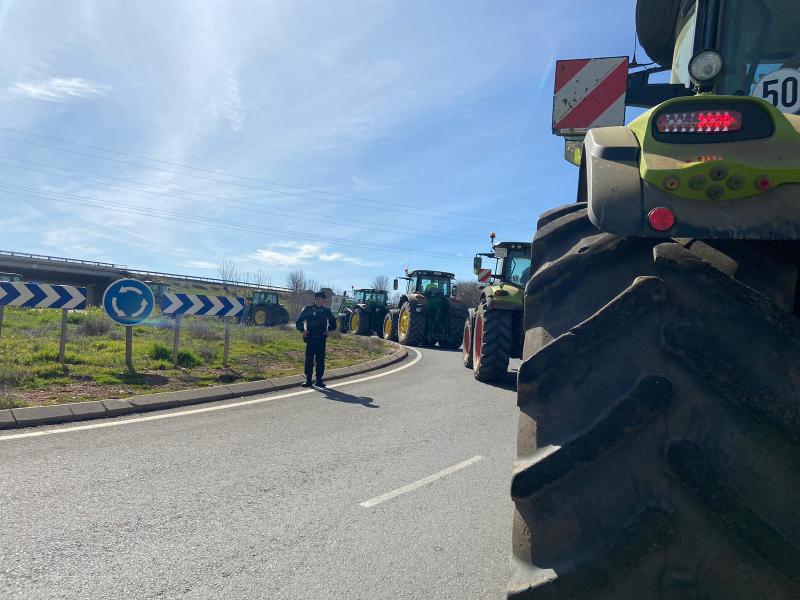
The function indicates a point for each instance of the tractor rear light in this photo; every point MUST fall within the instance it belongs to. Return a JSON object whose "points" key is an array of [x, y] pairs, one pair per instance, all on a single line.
{"points": [[704, 121], [661, 218], [764, 183]]}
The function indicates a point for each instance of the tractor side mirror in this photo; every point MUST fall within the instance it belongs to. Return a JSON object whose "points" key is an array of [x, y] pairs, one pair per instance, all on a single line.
{"points": [[455, 291], [477, 263], [394, 285]]}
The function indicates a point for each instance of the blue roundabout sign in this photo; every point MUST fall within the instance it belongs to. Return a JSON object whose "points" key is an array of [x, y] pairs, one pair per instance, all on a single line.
{"points": [[128, 302]]}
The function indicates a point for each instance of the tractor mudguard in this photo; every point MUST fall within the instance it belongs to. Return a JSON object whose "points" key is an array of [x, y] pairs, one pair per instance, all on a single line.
{"points": [[510, 297], [610, 173]]}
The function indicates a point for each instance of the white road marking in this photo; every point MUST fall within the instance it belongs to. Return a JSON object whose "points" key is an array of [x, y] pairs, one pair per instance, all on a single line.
{"points": [[418, 484], [196, 411]]}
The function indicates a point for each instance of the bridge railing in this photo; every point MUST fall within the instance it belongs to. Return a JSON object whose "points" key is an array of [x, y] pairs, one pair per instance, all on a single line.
{"points": [[212, 280], [60, 259], [123, 269]]}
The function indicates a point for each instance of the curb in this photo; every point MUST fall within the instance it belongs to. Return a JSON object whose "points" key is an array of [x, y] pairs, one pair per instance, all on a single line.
{"points": [[12, 418]]}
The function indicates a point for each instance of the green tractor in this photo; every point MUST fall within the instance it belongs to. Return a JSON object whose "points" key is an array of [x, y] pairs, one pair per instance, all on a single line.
{"points": [[265, 310], [659, 394], [363, 314], [427, 313], [493, 332]]}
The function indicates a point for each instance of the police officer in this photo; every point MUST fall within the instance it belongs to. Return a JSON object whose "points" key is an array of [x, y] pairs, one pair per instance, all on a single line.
{"points": [[315, 322]]}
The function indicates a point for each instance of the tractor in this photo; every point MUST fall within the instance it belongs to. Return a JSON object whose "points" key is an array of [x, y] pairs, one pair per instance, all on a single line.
{"points": [[493, 331], [659, 393], [363, 314], [428, 312], [264, 310]]}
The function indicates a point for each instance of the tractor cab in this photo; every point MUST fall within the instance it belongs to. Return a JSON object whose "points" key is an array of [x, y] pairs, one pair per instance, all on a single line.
{"points": [[431, 284], [513, 263], [370, 296], [261, 297], [10, 277], [735, 48], [159, 289]]}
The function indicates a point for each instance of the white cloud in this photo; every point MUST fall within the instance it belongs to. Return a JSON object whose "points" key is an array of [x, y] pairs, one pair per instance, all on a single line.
{"points": [[200, 264], [339, 257], [290, 254], [58, 89]]}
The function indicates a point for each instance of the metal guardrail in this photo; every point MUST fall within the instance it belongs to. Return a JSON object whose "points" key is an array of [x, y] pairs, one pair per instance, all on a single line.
{"points": [[212, 280], [59, 259], [123, 269]]}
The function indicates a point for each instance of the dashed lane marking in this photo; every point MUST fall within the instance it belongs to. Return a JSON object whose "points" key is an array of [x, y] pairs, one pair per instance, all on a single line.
{"points": [[418, 484]]}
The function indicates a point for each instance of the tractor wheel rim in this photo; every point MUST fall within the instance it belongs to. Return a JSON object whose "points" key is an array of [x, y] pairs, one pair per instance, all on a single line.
{"points": [[404, 321], [467, 349], [387, 326], [354, 322], [476, 356], [260, 317]]}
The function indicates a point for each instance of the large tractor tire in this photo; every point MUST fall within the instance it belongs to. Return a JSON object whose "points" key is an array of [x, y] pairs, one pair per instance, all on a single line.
{"points": [[343, 323], [360, 323], [410, 326], [466, 342], [455, 331], [655, 27], [390, 326], [659, 432], [492, 343], [379, 330], [261, 315], [282, 315]]}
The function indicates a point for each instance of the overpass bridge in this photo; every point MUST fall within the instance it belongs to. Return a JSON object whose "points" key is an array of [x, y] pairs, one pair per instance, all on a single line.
{"points": [[97, 276]]}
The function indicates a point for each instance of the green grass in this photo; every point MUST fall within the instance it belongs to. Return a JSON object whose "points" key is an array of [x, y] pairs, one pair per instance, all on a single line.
{"points": [[95, 356]]}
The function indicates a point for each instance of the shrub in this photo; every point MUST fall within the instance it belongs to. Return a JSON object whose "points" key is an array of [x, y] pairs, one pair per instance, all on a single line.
{"points": [[8, 402], [13, 376], [188, 359], [201, 330], [94, 326], [257, 337], [159, 352], [76, 318], [207, 352]]}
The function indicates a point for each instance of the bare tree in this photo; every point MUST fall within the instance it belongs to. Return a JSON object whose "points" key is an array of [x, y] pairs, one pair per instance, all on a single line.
{"points": [[259, 278], [381, 282], [469, 292], [298, 286], [228, 271]]}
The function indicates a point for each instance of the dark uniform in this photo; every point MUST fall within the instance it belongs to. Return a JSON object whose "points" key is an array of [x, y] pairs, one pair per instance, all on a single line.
{"points": [[316, 320]]}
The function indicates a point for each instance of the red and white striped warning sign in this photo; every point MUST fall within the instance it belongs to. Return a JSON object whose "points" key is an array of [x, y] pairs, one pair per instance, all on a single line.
{"points": [[484, 275], [589, 93]]}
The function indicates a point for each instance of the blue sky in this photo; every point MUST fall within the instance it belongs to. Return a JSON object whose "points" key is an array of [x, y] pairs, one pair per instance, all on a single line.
{"points": [[346, 138]]}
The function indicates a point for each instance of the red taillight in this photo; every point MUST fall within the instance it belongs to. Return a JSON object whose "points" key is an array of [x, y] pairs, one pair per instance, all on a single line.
{"points": [[709, 121], [661, 218]]}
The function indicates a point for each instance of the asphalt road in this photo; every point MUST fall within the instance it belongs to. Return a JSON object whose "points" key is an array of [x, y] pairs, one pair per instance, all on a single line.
{"points": [[392, 487]]}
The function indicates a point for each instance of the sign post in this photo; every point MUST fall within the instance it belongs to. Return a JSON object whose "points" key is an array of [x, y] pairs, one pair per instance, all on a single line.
{"points": [[201, 306], [62, 344], [176, 341], [227, 343], [128, 302]]}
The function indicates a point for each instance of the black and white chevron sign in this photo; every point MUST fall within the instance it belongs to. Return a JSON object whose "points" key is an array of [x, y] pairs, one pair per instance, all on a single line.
{"points": [[208, 306], [42, 295]]}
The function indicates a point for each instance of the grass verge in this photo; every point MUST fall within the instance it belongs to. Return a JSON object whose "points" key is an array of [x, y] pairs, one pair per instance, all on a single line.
{"points": [[95, 356]]}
